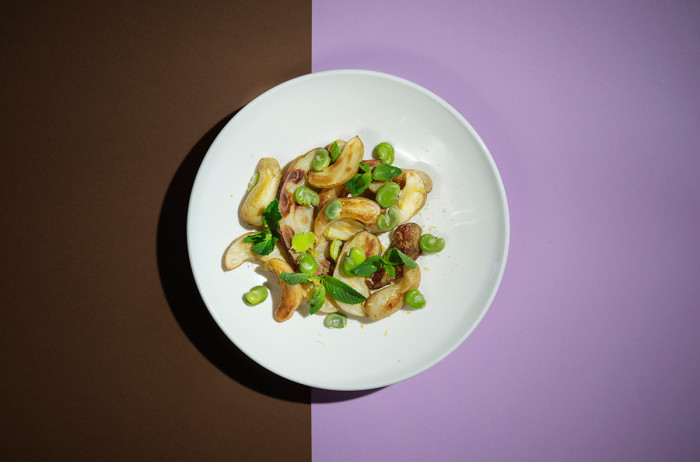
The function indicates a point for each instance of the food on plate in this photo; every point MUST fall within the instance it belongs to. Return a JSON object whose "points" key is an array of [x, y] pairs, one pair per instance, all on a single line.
{"points": [[322, 218]]}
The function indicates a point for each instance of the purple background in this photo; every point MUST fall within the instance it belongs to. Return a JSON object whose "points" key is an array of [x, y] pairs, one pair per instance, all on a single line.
{"points": [[591, 111]]}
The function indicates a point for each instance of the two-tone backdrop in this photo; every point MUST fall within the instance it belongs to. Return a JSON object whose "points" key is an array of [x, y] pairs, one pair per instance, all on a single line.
{"points": [[589, 351]]}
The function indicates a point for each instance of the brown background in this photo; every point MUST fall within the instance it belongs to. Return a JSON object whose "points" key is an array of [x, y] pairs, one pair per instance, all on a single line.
{"points": [[107, 349]]}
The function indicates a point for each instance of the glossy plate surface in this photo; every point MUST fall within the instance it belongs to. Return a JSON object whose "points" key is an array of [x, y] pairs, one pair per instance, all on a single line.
{"points": [[467, 207]]}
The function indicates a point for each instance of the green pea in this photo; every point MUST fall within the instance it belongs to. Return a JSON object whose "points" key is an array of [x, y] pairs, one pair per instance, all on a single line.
{"points": [[414, 299], [306, 196], [385, 153], [335, 248], [388, 195], [354, 257], [253, 181], [333, 209], [321, 160], [431, 244], [256, 295], [307, 263], [335, 321], [301, 242], [388, 220]]}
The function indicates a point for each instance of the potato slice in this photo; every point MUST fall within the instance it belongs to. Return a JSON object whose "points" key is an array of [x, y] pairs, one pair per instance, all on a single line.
{"points": [[390, 299], [240, 251], [369, 243], [263, 192], [344, 168], [343, 229], [295, 218], [357, 208], [291, 295]]}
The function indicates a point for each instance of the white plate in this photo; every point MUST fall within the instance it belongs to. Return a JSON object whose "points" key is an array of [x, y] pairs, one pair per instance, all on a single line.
{"points": [[467, 206]]}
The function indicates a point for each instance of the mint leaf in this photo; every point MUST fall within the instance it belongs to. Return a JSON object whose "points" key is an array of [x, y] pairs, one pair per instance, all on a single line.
{"points": [[295, 278], [341, 291], [397, 257], [369, 266], [365, 167], [317, 299], [271, 217], [263, 242], [335, 151], [357, 184], [385, 172], [390, 270]]}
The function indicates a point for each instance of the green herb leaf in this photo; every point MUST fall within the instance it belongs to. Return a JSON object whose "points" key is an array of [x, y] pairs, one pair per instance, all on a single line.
{"points": [[385, 172], [369, 266], [397, 257], [341, 291], [390, 270], [317, 299], [271, 217], [335, 151], [365, 167], [357, 184], [263, 242], [296, 278]]}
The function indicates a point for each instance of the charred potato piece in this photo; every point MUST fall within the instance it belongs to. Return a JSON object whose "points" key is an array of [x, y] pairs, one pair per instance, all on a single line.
{"points": [[370, 245], [344, 168], [390, 299], [295, 218], [357, 208], [263, 192], [405, 238]]}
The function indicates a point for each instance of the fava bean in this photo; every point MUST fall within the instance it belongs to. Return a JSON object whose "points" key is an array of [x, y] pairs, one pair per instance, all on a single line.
{"points": [[388, 195], [307, 263], [414, 299], [305, 196], [335, 321], [256, 295], [388, 220], [335, 248], [333, 209], [354, 257], [431, 244], [385, 153], [321, 160], [301, 242]]}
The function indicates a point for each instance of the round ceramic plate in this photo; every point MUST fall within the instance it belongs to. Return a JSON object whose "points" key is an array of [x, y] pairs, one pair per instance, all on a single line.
{"points": [[467, 207]]}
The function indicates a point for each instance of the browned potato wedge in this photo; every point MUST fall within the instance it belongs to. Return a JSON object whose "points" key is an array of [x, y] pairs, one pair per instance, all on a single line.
{"points": [[263, 192], [390, 299], [328, 194], [369, 243], [427, 181], [291, 295], [344, 168], [295, 218], [357, 208]]}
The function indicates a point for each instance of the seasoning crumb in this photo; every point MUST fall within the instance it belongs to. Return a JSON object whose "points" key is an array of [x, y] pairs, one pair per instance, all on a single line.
{"points": [[320, 342], [426, 268], [362, 326], [399, 361], [386, 332]]}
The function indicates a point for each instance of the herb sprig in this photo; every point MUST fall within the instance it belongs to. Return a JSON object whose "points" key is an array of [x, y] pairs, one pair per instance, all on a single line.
{"points": [[325, 284], [264, 241], [392, 258], [361, 181]]}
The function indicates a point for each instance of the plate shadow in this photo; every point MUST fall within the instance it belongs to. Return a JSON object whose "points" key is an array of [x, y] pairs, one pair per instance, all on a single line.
{"points": [[183, 296]]}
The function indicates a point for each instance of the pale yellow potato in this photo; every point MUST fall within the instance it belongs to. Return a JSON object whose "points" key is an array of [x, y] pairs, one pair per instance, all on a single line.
{"points": [[344, 168], [357, 208], [390, 299], [411, 199], [263, 192], [370, 245], [343, 229]]}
